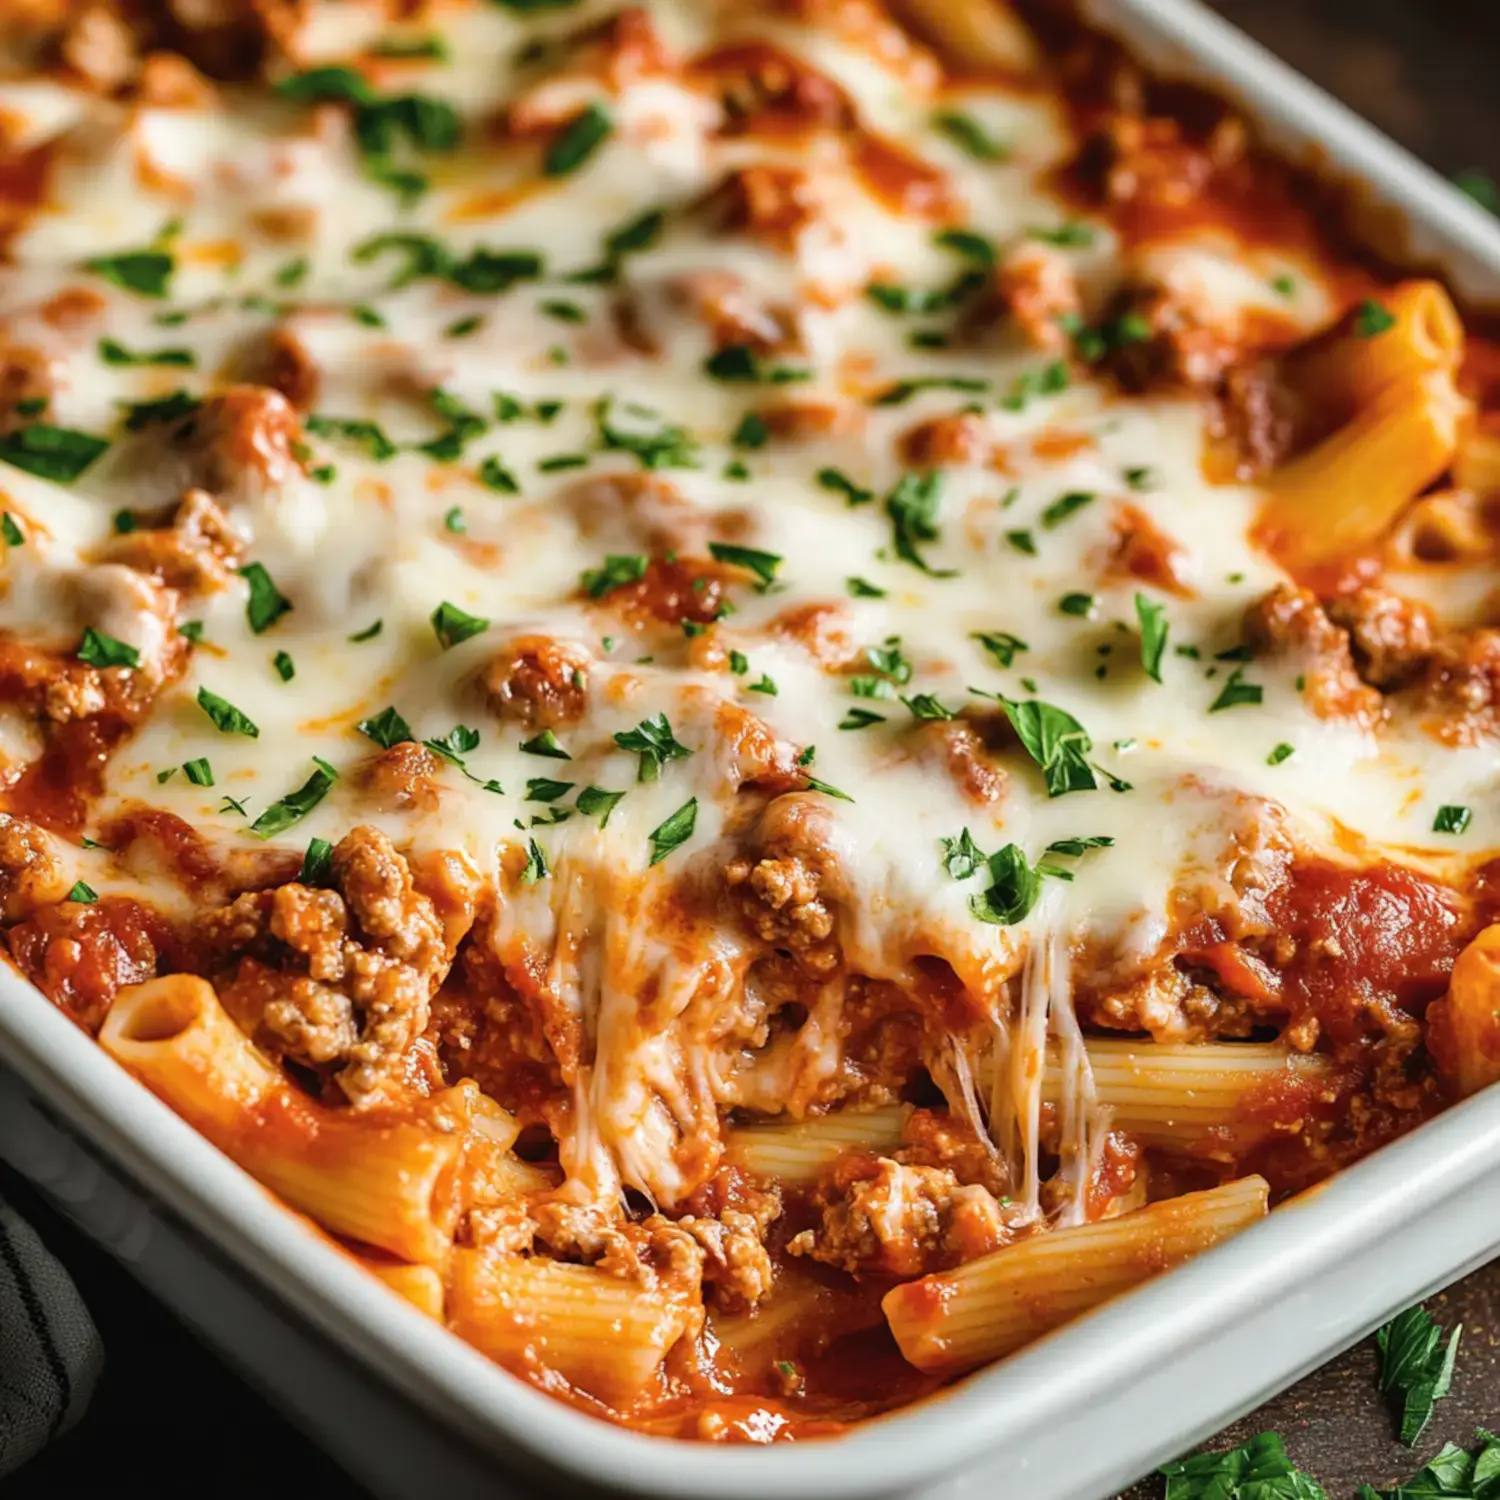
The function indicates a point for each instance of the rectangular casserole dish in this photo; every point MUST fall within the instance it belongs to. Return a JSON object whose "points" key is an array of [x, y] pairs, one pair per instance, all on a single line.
{"points": [[1076, 1416]]}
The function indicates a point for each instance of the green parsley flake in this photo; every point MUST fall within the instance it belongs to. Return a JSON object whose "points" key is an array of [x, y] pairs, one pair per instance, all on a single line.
{"points": [[280, 815], [1452, 818], [655, 743], [453, 625], [1372, 318], [100, 650], [199, 772], [618, 570], [227, 719], [595, 801], [577, 141], [1154, 631], [387, 728], [147, 272], [674, 831], [266, 603], [970, 136], [60, 454], [317, 863], [83, 893]]}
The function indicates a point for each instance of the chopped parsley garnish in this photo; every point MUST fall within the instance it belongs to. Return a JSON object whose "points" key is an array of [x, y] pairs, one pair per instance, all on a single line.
{"points": [[595, 801], [740, 362], [814, 785], [11, 531], [1415, 1362], [1236, 692], [577, 141], [411, 48], [752, 431], [1452, 818], [386, 728], [60, 454], [618, 570], [317, 863], [369, 633], [1283, 285], [1064, 506], [1140, 478], [452, 625], [1069, 236], [461, 328], [453, 520], [563, 311], [266, 603], [962, 857], [971, 246], [1014, 887], [100, 650], [1154, 629], [536, 864], [902, 391], [369, 317], [841, 484], [227, 719], [83, 893], [1046, 381], [286, 668], [628, 428], [281, 814], [495, 476], [139, 415], [544, 789], [198, 771], [1001, 644], [1372, 318], [1282, 752], [114, 353], [1056, 741], [233, 804], [148, 272], [1022, 541], [1077, 847], [762, 564], [913, 508], [356, 432], [860, 718], [739, 663], [1080, 605], [926, 706], [546, 744], [1260, 1470], [766, 685], [860, 588], [560, 461], [293, 273], [652, 739], [969, 135], [124, 522], [674, 831]]}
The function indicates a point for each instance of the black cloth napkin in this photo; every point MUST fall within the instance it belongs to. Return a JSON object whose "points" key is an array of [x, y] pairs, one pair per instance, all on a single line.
{"points": [[50, 1353]]}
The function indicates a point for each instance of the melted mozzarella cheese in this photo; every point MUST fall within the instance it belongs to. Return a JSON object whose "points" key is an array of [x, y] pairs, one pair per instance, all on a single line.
{"points": [[360, 541]]}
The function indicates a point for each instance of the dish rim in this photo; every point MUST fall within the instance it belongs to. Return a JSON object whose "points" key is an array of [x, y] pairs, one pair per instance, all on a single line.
{"points": [[918, 1445]]}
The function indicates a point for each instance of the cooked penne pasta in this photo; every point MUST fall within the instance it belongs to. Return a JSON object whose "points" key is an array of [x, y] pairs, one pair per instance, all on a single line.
{"points": [[993, 1306], [420, 1285], [1345, 494], [604, 1334], [1351, 366], [1219, 1098], [800, 1151], [1476, 465], [390, 1185], [975, 34]]}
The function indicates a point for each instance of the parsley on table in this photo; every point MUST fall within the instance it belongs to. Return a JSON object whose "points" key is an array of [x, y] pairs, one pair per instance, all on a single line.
{"points": [[1415, 1362], [1259, 1470]]}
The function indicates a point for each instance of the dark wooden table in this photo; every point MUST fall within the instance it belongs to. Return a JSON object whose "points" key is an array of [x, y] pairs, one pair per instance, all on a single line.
{"points": [[1424, 70]]}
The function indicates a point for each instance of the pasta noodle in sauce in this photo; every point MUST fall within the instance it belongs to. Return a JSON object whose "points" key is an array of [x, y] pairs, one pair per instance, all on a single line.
{"points": [[763, 694]]}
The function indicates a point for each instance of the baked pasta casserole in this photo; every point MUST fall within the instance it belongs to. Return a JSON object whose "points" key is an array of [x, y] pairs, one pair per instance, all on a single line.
{"points": [[764, 693]]}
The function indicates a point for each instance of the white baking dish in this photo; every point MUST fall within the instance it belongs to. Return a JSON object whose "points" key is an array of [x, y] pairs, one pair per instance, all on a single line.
{"points": [[415, 1412]]}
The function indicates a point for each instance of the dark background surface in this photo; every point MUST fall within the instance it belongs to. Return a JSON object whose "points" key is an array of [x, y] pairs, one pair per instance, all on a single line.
{"points": [[169, 1419]]}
